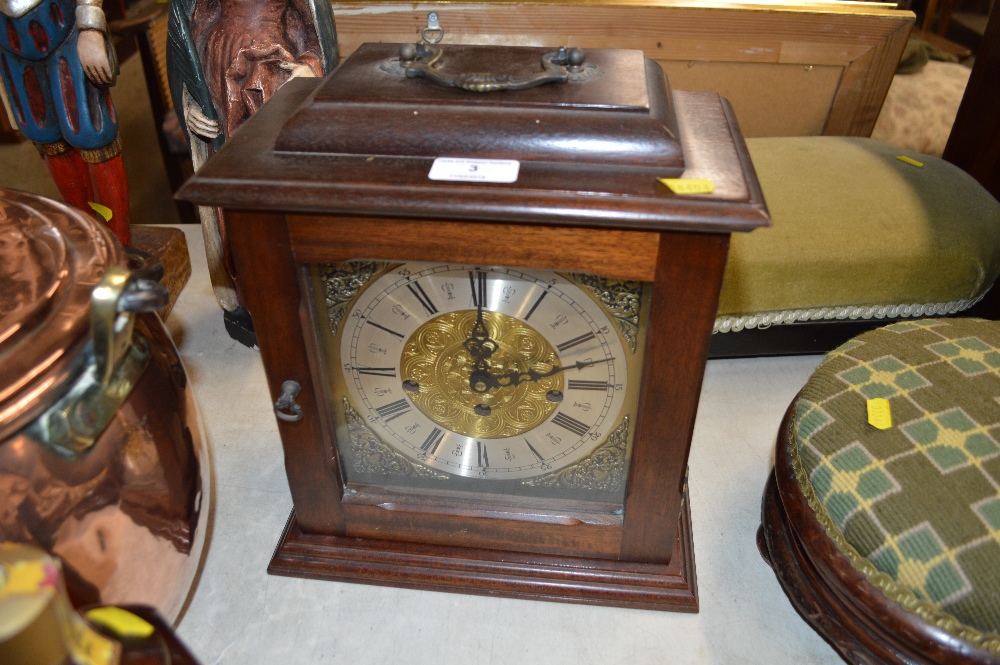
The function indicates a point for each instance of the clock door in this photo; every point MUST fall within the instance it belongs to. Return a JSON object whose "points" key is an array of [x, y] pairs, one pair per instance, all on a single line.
{"points": [[480, 385]]}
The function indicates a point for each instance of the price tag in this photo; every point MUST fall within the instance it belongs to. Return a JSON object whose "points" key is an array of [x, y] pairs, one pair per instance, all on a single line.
{"points": [[909, 160], [122, 622], [103, 211], [474, 170], [879, 413], [688, 186]]}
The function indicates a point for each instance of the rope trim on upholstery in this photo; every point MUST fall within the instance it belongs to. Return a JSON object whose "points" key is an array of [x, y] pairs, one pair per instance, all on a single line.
{"points": [[929, 612], [724, 324]]}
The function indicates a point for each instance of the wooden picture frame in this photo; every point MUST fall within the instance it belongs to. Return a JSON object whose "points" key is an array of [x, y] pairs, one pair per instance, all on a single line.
{"points": [[826, 66]]}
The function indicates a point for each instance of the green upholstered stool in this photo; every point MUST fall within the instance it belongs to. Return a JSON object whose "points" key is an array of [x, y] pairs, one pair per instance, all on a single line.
{"points": [[888, 540], [858, 235]]}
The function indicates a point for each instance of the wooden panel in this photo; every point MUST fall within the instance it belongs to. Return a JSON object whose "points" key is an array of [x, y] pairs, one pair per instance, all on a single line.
{"points": [[270, 290], [862, 89], [613, 253], [682, 310], [974, 144], [863, 40], [807, 89], [495, 572], [588, 540]]}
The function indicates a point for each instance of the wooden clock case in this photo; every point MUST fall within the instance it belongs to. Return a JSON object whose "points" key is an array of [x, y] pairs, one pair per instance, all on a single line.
{"points": [[335, 170]]}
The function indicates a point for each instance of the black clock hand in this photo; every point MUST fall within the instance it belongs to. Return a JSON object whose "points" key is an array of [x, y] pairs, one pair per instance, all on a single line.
{"points": [[479, 343], [481, 381]]}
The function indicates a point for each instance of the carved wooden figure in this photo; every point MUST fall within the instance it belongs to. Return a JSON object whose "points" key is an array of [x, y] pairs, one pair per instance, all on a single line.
{"points": [[225, 59], [57, 65]]}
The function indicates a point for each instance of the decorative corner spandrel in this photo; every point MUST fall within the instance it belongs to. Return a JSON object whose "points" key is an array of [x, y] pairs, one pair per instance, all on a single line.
{"points": [[370, 455]]}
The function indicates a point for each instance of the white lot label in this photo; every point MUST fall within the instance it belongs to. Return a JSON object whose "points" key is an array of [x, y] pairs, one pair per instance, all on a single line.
{"points": [[474, 170]]}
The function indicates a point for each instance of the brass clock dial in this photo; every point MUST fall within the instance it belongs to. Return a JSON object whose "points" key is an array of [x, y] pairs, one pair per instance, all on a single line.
{"points": [[492, 373], [437, 368]]}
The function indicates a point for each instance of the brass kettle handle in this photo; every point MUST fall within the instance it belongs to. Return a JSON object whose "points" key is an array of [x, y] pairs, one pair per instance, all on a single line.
{"points": [[107, 370], [420, 60], [118, 296]]}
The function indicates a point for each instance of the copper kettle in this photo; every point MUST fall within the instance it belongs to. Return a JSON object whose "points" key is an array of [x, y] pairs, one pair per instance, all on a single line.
{"points": [[102, 457]]}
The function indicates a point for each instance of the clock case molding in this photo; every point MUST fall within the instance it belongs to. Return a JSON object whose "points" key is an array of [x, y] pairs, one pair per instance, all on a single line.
{"points": [[292, 200]]}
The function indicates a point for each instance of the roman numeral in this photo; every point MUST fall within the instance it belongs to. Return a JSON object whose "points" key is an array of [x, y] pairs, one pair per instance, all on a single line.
{"points": [[484, 459], [571, 424], [574, 384], [387, 372], [421, 296], [477, 282], [576, 341], [391, 332], [533, 451], [537, 303], [433, 440], [393, 410]]}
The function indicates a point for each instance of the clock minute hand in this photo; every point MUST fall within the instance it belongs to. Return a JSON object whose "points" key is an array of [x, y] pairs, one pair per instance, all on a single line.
{"points": [[487, 380]]}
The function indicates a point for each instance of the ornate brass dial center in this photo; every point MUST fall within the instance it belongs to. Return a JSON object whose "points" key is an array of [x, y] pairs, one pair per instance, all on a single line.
{"points": [[435, 357]]}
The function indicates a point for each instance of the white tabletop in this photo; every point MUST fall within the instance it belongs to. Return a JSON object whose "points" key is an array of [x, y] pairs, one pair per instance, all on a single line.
{"points": [[240, 614]]}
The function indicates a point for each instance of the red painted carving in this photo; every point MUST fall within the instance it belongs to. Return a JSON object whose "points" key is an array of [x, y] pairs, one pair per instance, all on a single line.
{"points": [[12, 37], [36, 99], [39, 36], [69, 96]]}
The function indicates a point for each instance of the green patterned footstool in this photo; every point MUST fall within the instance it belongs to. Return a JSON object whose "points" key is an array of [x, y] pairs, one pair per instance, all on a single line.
{"points": [[887, 541]]}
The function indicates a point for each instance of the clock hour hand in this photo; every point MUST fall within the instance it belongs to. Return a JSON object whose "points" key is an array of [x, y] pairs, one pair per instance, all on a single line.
{"points": [[479, 344], [481, 381]]}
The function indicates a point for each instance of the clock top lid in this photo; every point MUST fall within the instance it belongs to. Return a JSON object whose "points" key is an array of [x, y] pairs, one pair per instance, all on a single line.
{"points": [[604, 106], [331, 147]]}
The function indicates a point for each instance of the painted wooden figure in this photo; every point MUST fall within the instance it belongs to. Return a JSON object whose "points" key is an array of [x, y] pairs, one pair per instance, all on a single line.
{"points": [[57, 65], [225, 58]]}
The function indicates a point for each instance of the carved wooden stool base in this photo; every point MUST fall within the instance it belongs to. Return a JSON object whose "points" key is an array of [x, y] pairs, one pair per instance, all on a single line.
{"points": [[833, 597]]}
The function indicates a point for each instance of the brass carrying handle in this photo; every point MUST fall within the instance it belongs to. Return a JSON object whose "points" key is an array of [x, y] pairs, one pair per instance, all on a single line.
{"points": [[106, 372], [420, 60], [118, 296]]}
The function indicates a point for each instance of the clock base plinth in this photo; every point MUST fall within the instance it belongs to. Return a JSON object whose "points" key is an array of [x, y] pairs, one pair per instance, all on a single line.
{"points": [[670, 587]]}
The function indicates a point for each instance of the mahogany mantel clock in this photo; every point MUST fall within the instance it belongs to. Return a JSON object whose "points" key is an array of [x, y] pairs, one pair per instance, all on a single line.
{"points": [[484, 319]]}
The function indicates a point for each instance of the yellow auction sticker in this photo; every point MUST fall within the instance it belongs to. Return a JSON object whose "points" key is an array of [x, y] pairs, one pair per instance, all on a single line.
{"points": [[103, 211], [909, 160], [123, 623], [688, 186], [879, 413]]}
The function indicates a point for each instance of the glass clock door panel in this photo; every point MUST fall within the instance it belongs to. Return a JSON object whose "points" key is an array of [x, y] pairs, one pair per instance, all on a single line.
{"points": [[502, 386]]}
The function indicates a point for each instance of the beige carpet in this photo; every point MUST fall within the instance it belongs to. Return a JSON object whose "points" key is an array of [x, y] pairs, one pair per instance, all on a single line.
{"points": [[150, 195]]}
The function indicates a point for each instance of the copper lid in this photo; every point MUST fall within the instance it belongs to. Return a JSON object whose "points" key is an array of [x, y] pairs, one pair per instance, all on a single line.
{"points": [[51, 258]]}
